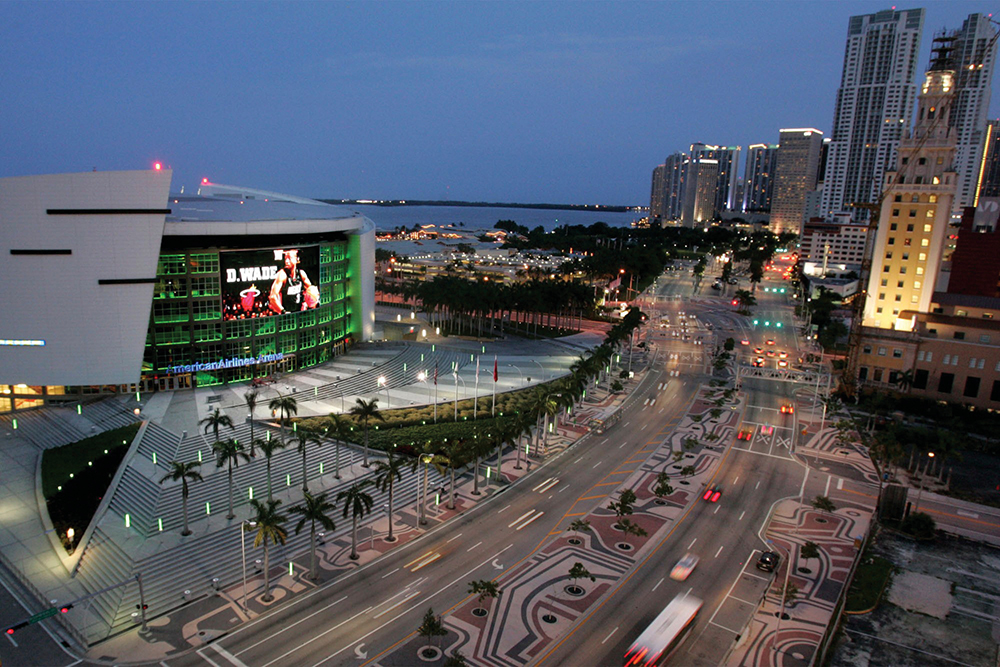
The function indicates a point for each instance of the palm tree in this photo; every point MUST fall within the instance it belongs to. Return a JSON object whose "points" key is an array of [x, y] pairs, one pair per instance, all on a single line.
{"points": [[357, 503], [270, 529], [251, 400], [215, 421], [229, 452], [306, 438], [287, 406], [450, 457], [314, 511], [387, 473], [269, 448], [366, 411], [183, 472], [340, 429]]}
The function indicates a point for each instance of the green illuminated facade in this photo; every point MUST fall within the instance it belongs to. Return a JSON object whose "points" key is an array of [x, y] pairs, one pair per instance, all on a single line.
{"points": [[187, 326]]}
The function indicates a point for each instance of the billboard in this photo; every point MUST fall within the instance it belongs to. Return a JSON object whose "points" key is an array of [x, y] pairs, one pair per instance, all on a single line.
{"points": [[264, 283]]}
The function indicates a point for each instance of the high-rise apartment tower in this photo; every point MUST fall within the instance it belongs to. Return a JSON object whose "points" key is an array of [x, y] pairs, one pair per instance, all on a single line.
{"points": [[794, 177], [758, 178]]}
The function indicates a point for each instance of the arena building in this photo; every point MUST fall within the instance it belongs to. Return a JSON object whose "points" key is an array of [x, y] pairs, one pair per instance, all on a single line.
{"points": [[111, 283]]}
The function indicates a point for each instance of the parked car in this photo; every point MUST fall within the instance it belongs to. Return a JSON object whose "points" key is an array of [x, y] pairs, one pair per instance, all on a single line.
{"points": [[768, 561]]}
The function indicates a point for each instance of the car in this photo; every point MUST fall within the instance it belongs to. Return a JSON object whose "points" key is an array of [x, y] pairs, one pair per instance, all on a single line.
{"points": [[770, 353], [782, 355], [744, 342], [782, 363], [758, 362], [769, 341], [766, 429], [768, 561], [787, 409], [758, 350], [712, 494], [745, 434], [717, 286], [685, 566]]}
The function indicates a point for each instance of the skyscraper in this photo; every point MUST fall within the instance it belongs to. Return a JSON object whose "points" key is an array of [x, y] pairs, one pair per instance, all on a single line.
{"points": [[656, 195], [873, 106], [974, 53], [758, 178], [675, 171], [990, 169], [914, 216], [728, 159], [700, 188], [794, 177]]}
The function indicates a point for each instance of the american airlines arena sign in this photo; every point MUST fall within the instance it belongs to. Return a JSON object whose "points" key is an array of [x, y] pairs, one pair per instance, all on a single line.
{"points": [[226, 363]]}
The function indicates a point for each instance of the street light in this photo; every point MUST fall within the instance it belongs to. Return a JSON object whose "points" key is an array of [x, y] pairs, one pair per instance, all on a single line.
{"points": [[519, 374], [243, 551], [784, 590], [920, 489], [382, 383], [426, 458]]}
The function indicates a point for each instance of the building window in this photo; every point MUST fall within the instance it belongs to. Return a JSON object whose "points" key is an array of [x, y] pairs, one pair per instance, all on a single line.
{"points": [[899, 297], [954, 360], [920, 378], [888, 255], [909, 228], [897, 353], [971, 387], [895, 311], [878, 375], [885, 282], [899, 283], [863, 373], [878, 310], [906, 241], [892, 240], [897, 198], [867, 349], [920, 355], [913, 212], [881, 352], [925, 242], [916, 284], [892, 226], [930, 356], [927, 228], [906, 255], [945, 382], [981, 364], [920, 270], [947, 359], [914, 298], [972, 362], [915, 199], [885, 269], [902, 269], [959, 335], [961, 313], [995, 394], [881, 296]]}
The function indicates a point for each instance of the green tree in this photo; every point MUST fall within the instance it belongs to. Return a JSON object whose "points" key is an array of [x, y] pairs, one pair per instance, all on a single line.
{"points": [[357, 503], [183, 473], [340, 429], [809, 551], [315, 510], [579, 525], [919, 525], [449, 458], [287, 406], [578, 571], [269, 448], [663, 488], [214, 421], [305, 438], [630, 528], [624, 505], [229, 453], [790, 592], [270, 530], [387, 473], [366, 411], [484, 588], [456, 659], [823, 504], [431, 626]]}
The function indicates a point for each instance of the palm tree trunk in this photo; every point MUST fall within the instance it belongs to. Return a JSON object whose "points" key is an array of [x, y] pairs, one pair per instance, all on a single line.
{"points": [[499, 460], [451, 491], [231, 513], [184, 506], [269, 496], [312, 546], [336, 445], [354, 537], [475, 478], [267, 574], [305, 479], [517, 447], [389, 537], [365, 462]]}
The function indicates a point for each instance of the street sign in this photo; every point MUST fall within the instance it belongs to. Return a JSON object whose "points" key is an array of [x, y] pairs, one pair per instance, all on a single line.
{"points": [[42, 615]]}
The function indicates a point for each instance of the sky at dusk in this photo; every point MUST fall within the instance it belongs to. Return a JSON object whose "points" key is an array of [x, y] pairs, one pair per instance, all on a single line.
{"points": [[566, 102]]}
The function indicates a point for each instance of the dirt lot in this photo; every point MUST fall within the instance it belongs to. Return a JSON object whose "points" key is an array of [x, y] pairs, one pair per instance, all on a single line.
{"points": [[942, 609]]}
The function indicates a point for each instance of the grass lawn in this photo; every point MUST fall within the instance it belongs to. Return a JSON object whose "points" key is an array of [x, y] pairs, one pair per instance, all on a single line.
{"points": [[870, 579]]}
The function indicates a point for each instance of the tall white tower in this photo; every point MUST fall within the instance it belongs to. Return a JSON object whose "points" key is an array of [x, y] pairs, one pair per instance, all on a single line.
{"points": [[874, 103]]}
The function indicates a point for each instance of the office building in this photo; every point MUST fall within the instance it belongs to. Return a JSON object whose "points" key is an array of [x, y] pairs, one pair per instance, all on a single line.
{"points": [[913, 220], [758, 178], [114, 284], [873, 107], [728, 159], [974, 54], [832, 245], [795, 168]]}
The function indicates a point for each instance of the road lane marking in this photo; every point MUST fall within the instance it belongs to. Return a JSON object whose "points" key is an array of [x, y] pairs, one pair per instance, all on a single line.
{"points": [[597, 464], [758, 485], [652, 403], [563, 489], [503, 508], [735, 632], [741, 515], [537, 516], [840, 484], [717, 508], [541, 484], [733, 597], [692, 542], [737, 479], [473, 547], [643, 427], [289, 627], [965, 513], [306, 643], [418, 559], [520, 518], [610, 634], [826, 491], [390, 573], [657, 585], [454, 538], [204, 657], [578, 459], [719, 551], [388, 609]]}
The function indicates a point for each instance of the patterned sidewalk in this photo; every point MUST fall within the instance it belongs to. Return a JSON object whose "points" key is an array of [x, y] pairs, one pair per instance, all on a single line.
{"points": [[540, 602]]}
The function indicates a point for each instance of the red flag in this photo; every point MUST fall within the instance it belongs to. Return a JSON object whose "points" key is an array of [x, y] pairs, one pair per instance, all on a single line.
{"points": [[495, 376], [435, 374]]}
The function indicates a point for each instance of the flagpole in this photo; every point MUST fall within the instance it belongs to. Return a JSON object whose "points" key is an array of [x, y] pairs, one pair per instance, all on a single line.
{"points": [[435, 393], [475, 396], [493, 412]]}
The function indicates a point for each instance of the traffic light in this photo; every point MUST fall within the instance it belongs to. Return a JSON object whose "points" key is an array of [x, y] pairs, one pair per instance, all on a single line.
{"points": [[146, 606], [66, 607], [755, 322], [777, 324], [14, 628]]}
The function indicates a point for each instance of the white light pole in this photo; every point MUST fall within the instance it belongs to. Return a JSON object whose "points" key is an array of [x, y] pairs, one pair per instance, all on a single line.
{"points": [[243, 551], [784, 591], [426, 458], [384, 384], [519, 373], [920, 489]]}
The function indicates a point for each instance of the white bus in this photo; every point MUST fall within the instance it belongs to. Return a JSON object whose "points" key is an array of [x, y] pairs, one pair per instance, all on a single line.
{"points": [[664, 634]]}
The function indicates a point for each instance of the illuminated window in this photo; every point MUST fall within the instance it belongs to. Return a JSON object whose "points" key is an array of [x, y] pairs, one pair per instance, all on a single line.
{"points": [[265, 326], [927, 227], [925, 242], [287, 342], [930, 213], [205, 263], [920, 270], [914, 299], [933, 198], [916, 284], [286, 322], [238, 329], [207, 286], [171, 265], [206, 310]]}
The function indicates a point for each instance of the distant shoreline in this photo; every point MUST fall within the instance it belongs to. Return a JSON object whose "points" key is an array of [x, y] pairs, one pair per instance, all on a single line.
{"points": [[431, 202]]}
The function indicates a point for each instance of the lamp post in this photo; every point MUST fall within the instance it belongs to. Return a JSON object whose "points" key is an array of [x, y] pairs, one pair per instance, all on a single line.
{"points": [[243, 551], [920, 489], [382, 382], [519, 374], [784, 591], [426, 458]]}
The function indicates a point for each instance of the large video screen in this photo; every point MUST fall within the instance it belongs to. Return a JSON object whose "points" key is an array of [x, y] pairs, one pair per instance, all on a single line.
{"points": [[264, 283]]}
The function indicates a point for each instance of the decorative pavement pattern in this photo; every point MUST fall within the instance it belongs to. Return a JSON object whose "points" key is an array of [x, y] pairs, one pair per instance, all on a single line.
{"points": [[539, 602]]}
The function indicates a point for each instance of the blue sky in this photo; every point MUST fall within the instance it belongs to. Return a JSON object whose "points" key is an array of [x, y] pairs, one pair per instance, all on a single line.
{"points": [[570, 102]]}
